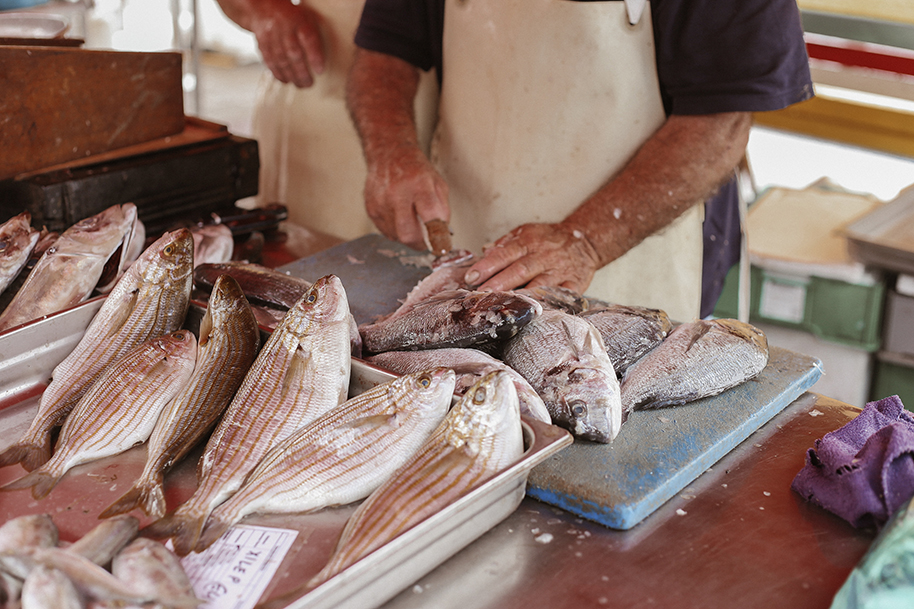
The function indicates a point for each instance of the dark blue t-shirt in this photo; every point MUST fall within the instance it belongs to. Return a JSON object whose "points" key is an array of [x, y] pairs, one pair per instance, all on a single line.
{"points": [[712, 56]]}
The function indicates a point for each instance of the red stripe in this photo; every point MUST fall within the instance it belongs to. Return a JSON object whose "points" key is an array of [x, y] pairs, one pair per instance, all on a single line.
{"points": [[861, 58]]}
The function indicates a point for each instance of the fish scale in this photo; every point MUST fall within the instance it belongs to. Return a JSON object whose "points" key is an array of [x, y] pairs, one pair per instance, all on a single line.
{"points": [[151, 299], [480, 436], [301, 373], [344, 455], [119, 411], [229, 339]]}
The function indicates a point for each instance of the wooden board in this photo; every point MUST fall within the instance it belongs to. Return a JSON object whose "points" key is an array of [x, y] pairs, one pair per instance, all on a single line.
{"points": [[60, 104], [657, 453]]}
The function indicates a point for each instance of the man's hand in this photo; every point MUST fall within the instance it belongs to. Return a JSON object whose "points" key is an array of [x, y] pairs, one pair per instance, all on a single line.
{"points": [[288, 36], [536, 254]]}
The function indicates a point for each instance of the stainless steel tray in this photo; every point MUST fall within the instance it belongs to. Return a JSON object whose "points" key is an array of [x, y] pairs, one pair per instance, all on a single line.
{"points": [[27, 357]]}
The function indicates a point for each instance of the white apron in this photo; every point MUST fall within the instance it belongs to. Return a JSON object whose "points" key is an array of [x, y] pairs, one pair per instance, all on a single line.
{"points": [[542, 102], [310, 156]]}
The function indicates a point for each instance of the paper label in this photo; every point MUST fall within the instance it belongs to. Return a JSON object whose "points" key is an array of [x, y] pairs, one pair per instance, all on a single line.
{"points": [[234, 572], [782, 301]]}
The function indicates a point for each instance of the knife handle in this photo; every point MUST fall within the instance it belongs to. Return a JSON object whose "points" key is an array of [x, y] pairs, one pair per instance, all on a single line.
{"points": [[439, 237]]}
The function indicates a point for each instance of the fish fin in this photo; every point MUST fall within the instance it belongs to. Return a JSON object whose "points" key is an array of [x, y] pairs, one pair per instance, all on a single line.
{"points": [[183, 530], [569, 340], [214, 528], [29, 454], [164, 527], [39, 480], [147, 496], [378, 420], [698, 330], [297, 369]]}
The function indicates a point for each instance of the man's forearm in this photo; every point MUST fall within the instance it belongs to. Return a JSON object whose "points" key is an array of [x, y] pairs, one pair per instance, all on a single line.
{"points": [[380, 96], [684, 162]]}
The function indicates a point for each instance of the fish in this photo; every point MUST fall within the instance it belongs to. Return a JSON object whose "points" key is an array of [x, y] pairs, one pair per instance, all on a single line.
{"points": [[19, 536], [96, 583], [228, 343], [17, 240], [470, 365], [150, 299], [213, 244], [49, 588], [555, 297], [628, 332], [152, 570], [342, 456], [480, 437], [447, 275], [563, 358], [301, 373], [120, 409], [106, 539], [456, 318], [698, 359], [70, 269], [261, 285]]}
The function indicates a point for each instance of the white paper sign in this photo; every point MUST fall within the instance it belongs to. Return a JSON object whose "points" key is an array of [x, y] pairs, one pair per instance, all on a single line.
{"points": [[234, 572]]}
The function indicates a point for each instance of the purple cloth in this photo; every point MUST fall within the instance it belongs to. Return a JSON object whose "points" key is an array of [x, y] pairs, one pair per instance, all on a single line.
{"points": [[864, 471]]}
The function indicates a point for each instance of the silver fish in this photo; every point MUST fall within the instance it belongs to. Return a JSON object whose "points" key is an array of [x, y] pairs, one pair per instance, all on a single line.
{"points": [[480, 437], [301, 373], [21, 535], [629, 332], [106, 539], [228, 344], [152, 570], [698, 359], [342, 456], [150, 300], [120, 409], [562, 356], [470, 365], [49, 588], [458, 318], [71, 268], [17, 240]]}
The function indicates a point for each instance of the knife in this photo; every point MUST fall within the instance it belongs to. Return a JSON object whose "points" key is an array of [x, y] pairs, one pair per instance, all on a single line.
{"points": [[439, 237]]}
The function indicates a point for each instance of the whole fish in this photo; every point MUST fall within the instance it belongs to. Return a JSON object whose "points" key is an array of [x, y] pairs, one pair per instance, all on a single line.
{"points": [[261, 285], [470, 365], [119, 410], [228, 343], [480, 437], [301, 373], [69, 270], [150, 299], [457, 318], [698, 359], [19, 536], [629, 332], [562, 356], [152, 570], [49, 588], [213, 244], [342, 456], [98, 584], [17, 240]]}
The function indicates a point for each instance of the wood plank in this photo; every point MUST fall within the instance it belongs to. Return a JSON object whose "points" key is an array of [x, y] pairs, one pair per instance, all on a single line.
{"points": [[888, 10], [59, 104]]}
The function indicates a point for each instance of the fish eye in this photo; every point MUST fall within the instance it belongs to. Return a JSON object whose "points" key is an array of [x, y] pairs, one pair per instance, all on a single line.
{"points": [[578, 408], [311, 298], [424, 381], [169, 249], [180, 336], [479, 396]]}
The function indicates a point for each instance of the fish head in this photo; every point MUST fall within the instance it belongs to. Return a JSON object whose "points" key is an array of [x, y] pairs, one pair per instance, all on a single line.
{"points": [[586, 401], [181, 344], [169, 259], [325, 301], [490, 405], [505, 312], [227, 302], [432, 389]]}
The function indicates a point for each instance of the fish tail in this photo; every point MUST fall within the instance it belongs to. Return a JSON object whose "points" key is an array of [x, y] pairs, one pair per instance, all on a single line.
{"points": [[214, 528], [31, 455], [40, 481], [184, 531], [148, 496]]}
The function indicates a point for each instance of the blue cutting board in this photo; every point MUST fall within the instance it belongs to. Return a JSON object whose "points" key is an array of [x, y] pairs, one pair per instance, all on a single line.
{"points": [[657, 453]]}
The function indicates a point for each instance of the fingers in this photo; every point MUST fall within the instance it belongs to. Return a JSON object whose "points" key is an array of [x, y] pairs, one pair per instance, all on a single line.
{"points": [[290, 44]]}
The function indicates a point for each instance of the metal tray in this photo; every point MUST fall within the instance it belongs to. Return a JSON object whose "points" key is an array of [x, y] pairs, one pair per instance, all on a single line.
{"points": [[29, 353], [884, 238]]}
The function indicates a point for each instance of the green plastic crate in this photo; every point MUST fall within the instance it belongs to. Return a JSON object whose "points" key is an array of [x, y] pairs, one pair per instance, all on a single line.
{"points": [[841, 312], [893, 378]]}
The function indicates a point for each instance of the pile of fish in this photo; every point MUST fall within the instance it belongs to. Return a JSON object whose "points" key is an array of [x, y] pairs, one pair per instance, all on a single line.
{"points": [[108, 567], [43, 272]]}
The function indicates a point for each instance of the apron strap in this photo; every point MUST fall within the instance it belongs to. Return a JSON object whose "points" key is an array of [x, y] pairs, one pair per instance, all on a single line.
{"points": [[634, 8]]}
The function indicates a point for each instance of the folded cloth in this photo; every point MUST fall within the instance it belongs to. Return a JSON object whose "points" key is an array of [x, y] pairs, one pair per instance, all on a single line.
{"points": [[864, 471]]}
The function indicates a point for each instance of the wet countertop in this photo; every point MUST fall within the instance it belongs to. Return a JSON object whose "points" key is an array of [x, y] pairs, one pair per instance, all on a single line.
{"points": [[736, 537]]}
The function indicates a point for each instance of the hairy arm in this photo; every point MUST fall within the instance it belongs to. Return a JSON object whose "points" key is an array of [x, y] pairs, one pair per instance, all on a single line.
{"points": [[403, 189], [684, 162]]}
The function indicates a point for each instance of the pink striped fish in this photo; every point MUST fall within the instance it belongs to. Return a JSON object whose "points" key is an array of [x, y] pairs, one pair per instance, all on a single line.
{"points": [[344, 455], [120, 410], [301, 373], [480, 437], [150, 300], [229, 339]]}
